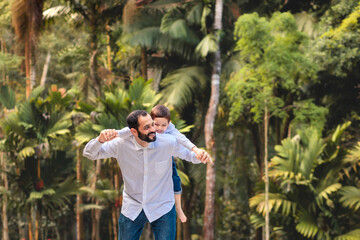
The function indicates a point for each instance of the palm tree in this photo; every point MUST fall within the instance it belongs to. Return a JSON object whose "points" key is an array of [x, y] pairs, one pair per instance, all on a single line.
{"points": [[114, 108], [7, 100], [97, 15], [27, 21], [308, 198], [31, 133]]}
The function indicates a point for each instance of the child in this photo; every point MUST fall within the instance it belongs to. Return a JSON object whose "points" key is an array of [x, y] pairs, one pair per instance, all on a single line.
{"points": [[161, 116]]}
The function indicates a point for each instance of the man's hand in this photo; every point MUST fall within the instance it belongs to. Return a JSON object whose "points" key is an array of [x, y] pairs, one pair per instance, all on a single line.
{"points": [[202, 155], [107, 135]]}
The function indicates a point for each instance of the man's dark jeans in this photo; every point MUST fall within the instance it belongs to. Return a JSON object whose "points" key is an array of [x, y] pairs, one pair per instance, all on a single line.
{"points": [[163, 228]]}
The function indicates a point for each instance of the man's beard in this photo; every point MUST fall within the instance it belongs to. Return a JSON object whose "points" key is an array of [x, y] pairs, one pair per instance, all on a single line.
{"points": [[147, 138]]}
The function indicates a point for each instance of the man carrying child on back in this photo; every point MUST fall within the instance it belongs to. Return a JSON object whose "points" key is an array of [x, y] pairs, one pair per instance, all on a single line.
{"points": [[145, 162], [161, 116]]}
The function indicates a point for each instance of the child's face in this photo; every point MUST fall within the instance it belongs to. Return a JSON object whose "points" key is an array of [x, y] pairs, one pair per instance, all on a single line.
{"points": [[161, 124]]}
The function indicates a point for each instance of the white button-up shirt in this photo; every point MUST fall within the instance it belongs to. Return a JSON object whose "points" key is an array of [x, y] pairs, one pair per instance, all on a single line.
{"points": [[146, 171]]}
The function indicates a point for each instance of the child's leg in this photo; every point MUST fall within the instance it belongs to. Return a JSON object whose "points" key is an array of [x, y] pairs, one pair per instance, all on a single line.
{"points": [[177, 191], [179, 210]]}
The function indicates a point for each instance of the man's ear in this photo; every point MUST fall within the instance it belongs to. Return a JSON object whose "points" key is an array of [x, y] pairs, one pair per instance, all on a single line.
{"points": [[134, 132]]}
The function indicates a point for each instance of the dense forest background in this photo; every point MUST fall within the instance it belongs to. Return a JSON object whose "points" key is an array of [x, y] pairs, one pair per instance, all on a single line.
{"points": [[270, 88]]}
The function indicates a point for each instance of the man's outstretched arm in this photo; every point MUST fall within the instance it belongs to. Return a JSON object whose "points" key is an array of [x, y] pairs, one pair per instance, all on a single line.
{"points": [[183, 140], [183, 153], [101, 147]]}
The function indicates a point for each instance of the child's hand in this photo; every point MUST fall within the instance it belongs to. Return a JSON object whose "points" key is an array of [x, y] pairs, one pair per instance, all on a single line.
{"points": [[107, 135], [202, 155]]}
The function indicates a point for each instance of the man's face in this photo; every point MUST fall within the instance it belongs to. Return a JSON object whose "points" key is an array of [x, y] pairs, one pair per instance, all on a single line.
{"points": [[146, 130], [161, 124]]}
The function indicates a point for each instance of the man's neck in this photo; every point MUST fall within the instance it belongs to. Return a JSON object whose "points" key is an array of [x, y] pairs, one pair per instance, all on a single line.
{"points": [[141, 142]]}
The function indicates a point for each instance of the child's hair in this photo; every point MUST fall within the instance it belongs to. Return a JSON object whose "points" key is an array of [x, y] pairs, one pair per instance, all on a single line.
{"points": [[160, 111]]}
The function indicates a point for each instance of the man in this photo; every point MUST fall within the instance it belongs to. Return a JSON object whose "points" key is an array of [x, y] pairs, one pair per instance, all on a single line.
{"points": [[145, 163]]}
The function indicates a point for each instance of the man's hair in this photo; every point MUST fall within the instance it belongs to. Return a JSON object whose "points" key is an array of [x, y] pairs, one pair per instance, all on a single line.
{"points": [[160, 111], [133, 118]]}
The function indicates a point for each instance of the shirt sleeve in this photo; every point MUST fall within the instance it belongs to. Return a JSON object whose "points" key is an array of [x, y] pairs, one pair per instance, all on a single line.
{"points": [[96, 150], [124, 132], [180, 138], [186, 154]]}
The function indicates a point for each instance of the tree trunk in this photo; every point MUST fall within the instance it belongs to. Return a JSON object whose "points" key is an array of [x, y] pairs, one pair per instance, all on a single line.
{"points": [[29, 215], [45, 70], [143, 63], [27, 66], [97, 212], [189, 205], [5, 230], [79, 200], [108, 48], [117, 185], [209, 212], [178, 229], [37, 220], [28, 47], [92, 67], [267, 219]]}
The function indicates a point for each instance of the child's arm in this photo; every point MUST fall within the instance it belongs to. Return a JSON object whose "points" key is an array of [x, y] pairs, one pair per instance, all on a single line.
{"points": [[182, 139], [124, 132]]}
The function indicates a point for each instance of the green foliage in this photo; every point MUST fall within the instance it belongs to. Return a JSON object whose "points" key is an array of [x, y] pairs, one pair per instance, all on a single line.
{"points": [[235, 222], [207, 45], [181, 85], [7, 97], [307, 192], [350, 197], [352, 235], [337, 49], [274, 67], [114, 108]]}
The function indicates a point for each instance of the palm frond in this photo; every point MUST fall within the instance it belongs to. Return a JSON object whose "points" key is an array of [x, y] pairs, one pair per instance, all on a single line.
{"points": [[85, 132], [277, 201], [169, 18], [194, 15], [39, 195], [60, 127], [175, 26], [307, 225], [324, 190], [7, 97], [36, 92], [136, 90], [207, 45], [26, 20], [352, 235], [184, 178], [147, 37], [339, 131], [106, 121], [181, 85], [311, 153], [26, 152], [350, 197], [86, 207], [56, 11], [11, 123], [353, 156], [257, 220], [63, 191], [85, 107]]}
